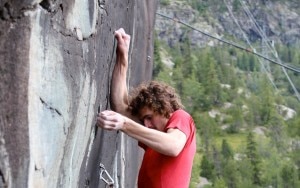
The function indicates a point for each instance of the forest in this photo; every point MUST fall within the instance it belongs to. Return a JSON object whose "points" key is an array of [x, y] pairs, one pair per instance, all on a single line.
{"points": [[246, 108], [248, 130]]}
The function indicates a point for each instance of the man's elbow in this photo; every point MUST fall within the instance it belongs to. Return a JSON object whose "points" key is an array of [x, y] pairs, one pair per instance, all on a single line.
{"points": [[118, 106], [115, 107], [174, 152]]}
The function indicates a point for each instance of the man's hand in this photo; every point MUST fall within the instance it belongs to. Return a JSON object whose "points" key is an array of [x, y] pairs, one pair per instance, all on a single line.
{"points": [[110, 120], [123, 40]]}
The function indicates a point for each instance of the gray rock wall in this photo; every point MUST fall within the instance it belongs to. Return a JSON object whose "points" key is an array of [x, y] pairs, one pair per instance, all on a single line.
{"points": [[56, 59]]}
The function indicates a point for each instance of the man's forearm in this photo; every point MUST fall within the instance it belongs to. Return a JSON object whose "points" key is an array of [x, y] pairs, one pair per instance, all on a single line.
{"points": [[119, 92], [169, 143]]}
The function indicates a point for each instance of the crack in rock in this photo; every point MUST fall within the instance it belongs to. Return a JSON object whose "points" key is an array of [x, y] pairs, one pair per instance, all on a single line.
{"points": [[50, 107]]}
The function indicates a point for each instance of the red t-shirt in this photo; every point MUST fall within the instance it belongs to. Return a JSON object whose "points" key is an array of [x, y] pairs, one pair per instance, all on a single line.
{"points": [[161, 171]]}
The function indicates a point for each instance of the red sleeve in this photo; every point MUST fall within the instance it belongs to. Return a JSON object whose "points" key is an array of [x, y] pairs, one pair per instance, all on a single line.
{"points": [[181, 120]]}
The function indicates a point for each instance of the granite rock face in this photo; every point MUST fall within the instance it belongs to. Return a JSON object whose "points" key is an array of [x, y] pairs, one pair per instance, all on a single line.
{"points": [[56, 59]]}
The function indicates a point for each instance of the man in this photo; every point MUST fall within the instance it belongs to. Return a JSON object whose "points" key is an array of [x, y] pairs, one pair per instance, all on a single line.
{"points": [[154, 117]]}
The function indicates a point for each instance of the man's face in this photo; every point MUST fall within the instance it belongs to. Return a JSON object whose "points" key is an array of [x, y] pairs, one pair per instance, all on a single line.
{"points": [[152, 120]]}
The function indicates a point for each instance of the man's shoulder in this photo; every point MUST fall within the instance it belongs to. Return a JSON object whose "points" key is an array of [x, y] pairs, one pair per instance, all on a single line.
{"points": [[181, 112], [180, 115]]}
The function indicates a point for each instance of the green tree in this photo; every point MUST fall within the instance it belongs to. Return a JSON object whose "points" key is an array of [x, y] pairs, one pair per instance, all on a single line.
{"points": [[294, 126], [278, 133], [165, 2], [230, 174], [220, 183], [243, 62], [210, 81], [217, 161], [271, 168], [207, 128], [236, 5], [253, 65], [237, 118], [245, 173], [192, 94], [158, 64], [187, 65], [177, 80], [290, 176], [226, 151], [253, 157], [207, 168], [295, 156], [267, 100]]}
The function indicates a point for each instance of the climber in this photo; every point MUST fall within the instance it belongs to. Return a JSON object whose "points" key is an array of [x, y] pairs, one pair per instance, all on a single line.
{"points": [[154, 116]]}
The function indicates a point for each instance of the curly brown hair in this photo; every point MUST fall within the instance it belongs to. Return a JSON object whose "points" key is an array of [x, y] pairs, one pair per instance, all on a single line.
{"points": [[157, 96]]}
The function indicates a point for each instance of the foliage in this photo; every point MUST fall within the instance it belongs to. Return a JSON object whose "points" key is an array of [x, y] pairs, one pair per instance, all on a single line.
{"points": [[231, 84], [226, 150], [289, 176], [158, 66], [196, 163], [294, 127], [252, 156], [165, 2], [207, 168]]}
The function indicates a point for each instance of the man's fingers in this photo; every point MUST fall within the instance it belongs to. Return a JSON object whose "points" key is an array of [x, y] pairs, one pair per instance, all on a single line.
{"points": [[106, 124], [121, 30], [107, 112], [108, 115], [120, 33], [108, 118]]}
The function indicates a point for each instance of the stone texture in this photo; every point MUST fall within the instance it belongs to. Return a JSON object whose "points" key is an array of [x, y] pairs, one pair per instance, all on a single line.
{"points": [[56, 59]]}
